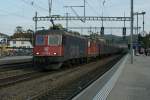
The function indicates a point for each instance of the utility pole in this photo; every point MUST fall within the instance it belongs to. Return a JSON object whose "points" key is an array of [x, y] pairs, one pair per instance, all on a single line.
{"points": [[131, 38], [84, 10], [137, 24], [35, 27], [95, 29], [90, 30], [137, 28], [67, 21], [81, 31], [124, 20], [111, 35], [50, 6], [143, 13], [35, 21], [102, 28], [124, 29], [102, 20]]}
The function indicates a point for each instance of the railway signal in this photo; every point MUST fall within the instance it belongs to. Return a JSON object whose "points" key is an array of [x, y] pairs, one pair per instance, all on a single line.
{"points": [[124, 32], [102, 31]]}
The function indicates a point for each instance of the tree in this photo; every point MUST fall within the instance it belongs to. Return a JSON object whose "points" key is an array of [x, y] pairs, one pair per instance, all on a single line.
{"points": [[30, 31], [139, 37], [57, 26], [144, 40], [94, 36], [20, 33]]}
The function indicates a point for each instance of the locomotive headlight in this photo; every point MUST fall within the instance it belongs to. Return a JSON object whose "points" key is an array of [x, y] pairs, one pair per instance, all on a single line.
{"points": [[55, 53], [37, 53]]}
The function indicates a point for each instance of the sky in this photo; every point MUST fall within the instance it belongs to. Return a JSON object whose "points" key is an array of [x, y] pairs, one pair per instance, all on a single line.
{"points": [[21, 12]]}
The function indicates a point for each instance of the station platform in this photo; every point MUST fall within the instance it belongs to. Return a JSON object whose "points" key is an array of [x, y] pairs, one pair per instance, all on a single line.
{"points": [[125, 81], [134, 81], [15, 59]]}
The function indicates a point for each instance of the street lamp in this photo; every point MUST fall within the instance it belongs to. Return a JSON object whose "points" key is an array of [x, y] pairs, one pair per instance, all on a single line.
{"points": [[143, 13]]}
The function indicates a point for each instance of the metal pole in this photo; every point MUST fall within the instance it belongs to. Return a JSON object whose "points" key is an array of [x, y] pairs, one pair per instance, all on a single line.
{"points": [[137, 24], [124, 35], [137, 28], [131, 38], [35, 21], [67, 21], [50, 7], [81, 30], [84, 10], [124, 20], [35, 28], [143, 22], [90, 30], [102, 19]]}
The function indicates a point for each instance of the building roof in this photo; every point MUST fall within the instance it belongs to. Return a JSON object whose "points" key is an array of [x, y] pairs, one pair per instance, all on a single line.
{"points": [[20, 39], [4, 35]]}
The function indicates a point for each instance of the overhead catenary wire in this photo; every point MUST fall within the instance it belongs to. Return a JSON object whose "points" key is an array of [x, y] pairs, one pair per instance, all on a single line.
{"points": [[18, 13], [41, 3], [94, 10], [14, 14], [35, 5]]}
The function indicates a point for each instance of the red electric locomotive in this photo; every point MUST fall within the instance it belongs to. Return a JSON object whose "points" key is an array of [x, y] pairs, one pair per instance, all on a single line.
{"points": [[54, 47]]}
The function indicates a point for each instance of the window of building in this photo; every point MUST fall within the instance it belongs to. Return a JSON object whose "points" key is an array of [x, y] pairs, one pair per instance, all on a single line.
{"points": [[14, 42], [22, 42]]}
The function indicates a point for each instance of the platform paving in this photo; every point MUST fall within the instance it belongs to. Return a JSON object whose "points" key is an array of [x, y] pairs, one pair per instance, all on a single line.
{"points": [[134, 81], [15, 59]]}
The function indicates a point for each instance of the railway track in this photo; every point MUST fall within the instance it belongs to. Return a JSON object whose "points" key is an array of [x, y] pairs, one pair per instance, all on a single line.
{"points": [[11, 80], [55, 85], [27, 73], [15, 79], [17, 72], [70, 90], [15, 66]]}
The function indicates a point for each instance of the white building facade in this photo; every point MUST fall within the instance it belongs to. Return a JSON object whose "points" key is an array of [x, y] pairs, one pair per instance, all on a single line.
{"points": [[20, 43]]}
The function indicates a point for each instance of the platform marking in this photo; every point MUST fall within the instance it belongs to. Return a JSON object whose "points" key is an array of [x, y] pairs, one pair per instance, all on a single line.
{"points": [[104, 92]]}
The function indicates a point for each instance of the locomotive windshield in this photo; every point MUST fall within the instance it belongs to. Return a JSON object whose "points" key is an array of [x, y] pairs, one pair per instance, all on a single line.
{"points": [[40, 40], [54, 39]]}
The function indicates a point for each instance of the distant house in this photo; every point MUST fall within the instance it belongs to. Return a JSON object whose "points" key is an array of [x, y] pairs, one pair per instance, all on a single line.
{"points": [[3, 38], [20, 43]]}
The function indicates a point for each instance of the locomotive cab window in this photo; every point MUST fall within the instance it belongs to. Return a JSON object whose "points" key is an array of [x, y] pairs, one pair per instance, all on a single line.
{"points": [[54, 39], [40, 40]]}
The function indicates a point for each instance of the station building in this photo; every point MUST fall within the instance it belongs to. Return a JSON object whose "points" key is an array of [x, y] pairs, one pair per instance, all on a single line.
{"points": [[20, 43]]}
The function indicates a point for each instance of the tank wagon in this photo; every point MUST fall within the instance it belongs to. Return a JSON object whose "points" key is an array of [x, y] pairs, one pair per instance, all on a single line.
{"points": [[52, 48]]}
